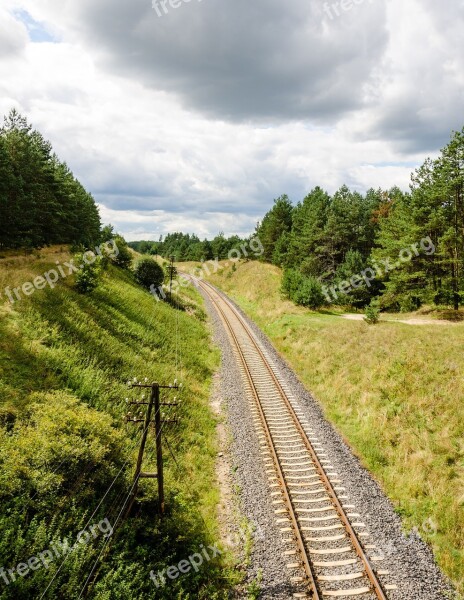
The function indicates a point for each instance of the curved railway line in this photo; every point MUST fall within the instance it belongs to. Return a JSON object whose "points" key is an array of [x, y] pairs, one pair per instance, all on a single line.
{"points": [[328, 552]]}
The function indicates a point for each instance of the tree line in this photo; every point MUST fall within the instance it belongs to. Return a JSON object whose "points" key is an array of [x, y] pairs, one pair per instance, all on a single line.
{"points": [[41, 202], [411, 244], [188, 247]]}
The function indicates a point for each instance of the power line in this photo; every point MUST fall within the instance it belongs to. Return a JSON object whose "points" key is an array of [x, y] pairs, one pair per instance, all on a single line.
{"points": [[106, 541], [90, 519], [136, 477]]}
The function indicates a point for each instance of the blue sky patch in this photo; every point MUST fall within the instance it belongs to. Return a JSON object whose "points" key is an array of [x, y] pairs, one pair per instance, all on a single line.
{"points": [[37, 31]]}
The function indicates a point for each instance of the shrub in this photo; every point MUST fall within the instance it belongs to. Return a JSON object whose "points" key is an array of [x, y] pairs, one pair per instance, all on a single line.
{"points": [[54, 439], [445, 298], [310, 293], [148, 273], [88, 276], [409, 303], [388, 302], [303, 290], [372, 313], [123, 258], [291, 280]]}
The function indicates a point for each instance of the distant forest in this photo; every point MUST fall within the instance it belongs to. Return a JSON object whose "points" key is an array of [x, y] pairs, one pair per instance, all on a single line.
{"points": [[398, 250], [186, 247], [41, 202]]}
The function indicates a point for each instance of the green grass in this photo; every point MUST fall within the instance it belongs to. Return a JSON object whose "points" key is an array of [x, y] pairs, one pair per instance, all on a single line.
{"points": [[394, 391], [65, 359]]}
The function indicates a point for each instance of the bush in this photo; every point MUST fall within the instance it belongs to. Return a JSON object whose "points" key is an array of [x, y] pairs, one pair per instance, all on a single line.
{"points": [[49, 446], [310, 293], [409, 303], [148, 273], [303, 290], [388, 302], [372, 315], [88, 276], [290, 281], [445, 298], [123, 258]]}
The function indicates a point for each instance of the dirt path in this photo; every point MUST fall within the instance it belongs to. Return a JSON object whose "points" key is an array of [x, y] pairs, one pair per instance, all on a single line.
{"points": [[414, 321]]}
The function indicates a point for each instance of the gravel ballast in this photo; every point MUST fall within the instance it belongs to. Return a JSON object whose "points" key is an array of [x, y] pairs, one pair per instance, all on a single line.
{"points": [[408, 559]]}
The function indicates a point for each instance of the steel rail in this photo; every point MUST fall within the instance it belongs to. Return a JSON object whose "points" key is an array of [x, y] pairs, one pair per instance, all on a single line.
{"points": [[376, 585], [314, 588]]}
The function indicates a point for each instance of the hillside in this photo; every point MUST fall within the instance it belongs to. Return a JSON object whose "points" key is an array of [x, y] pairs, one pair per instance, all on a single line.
{"points": [[67, 457], [394, 391]]}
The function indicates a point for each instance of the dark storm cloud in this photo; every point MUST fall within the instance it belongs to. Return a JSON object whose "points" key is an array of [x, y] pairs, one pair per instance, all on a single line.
{"points": [[242, 60]]}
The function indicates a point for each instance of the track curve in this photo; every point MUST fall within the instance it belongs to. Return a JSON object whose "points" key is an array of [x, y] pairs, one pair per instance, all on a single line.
{"points": [[326, 545]]}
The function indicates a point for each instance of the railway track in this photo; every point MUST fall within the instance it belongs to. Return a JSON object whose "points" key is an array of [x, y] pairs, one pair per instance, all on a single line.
{"points": [[325, 541]]}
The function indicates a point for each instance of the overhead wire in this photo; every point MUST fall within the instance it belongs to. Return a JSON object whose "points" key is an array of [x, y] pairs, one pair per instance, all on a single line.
{"points": [[118, 518], [114, 526], [95, 512]]}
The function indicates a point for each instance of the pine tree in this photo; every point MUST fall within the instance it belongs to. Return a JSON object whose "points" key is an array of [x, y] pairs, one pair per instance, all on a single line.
{"points": [[449, 185], [276, 223], [9, 205], [349, 226], [306, 237]]}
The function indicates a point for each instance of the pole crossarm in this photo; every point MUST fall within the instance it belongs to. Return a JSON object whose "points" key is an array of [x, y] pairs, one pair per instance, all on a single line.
{"points": [[153, 406]]}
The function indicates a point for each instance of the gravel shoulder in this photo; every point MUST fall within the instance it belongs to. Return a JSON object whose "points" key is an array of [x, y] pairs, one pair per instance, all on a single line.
{"points": [[408, 559]]}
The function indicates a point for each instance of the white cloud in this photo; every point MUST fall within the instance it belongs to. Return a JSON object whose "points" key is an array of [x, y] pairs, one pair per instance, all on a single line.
{"points": [[139, 138], [13, 36]]}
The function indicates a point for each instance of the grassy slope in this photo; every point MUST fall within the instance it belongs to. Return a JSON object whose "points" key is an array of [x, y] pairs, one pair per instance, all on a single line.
{"points": [[394, 391], [90, 346]]}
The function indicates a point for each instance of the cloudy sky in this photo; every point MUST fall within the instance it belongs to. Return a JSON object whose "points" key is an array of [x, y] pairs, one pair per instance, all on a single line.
{"points": [[194, 115]]}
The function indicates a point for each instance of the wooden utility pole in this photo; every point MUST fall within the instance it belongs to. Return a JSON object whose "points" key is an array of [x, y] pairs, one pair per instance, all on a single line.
{"points": [[159, 446], [155, 404]]}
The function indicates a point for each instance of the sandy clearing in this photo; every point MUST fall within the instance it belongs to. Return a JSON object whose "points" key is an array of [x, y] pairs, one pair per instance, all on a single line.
{"points": [[414, 321]]}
